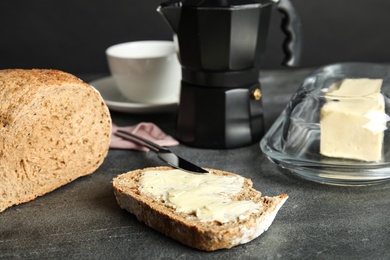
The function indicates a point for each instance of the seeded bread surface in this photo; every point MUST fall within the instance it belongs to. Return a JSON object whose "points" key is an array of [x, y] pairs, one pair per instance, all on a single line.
{"points": [[188, 229], [54, 128]]}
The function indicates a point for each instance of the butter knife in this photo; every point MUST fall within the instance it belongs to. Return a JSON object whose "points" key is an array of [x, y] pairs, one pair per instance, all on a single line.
{"points": [[163, 153]]}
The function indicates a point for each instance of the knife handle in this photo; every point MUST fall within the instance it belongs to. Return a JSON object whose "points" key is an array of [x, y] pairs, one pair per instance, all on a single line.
{"points": [[149, 144]]}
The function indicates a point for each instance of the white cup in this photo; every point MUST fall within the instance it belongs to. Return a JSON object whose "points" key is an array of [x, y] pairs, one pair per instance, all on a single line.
{"points": [[146, 71]]}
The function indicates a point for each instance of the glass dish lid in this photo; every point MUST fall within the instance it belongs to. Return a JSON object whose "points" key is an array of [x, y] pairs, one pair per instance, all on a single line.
{"points": [[334, 129]]}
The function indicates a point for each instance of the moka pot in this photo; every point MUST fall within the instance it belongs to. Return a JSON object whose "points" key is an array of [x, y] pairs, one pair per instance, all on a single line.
{"points": [[221, 45]]}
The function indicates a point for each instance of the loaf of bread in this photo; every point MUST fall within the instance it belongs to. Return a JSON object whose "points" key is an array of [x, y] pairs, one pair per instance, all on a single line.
{"points": [[54, 128], [220, 210]]}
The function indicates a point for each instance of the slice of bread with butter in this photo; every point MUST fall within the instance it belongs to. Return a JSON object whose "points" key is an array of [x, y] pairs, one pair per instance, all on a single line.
{"points": [[205, 211]]}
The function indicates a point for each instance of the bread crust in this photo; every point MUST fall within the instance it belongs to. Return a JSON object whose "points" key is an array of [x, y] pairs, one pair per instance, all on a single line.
{"points": [[187, 229], [54, 128]]}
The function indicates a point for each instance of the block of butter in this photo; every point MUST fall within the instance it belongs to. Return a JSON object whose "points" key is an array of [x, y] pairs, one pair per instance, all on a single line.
{"points": [[353, 120]]}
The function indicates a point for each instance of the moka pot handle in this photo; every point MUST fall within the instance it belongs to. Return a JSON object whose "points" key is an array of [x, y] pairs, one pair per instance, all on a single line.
{"points": [[292, 28]]}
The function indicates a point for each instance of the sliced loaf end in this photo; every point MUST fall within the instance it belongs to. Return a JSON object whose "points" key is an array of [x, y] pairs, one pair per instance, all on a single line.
{"points": [[54, 128]]}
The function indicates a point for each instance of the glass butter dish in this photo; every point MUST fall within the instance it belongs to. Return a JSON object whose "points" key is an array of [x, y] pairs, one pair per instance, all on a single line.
{"points": [[334, 129]]}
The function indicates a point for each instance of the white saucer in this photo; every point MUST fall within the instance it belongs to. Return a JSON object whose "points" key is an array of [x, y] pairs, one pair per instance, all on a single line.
{"points": [[116, 102]]}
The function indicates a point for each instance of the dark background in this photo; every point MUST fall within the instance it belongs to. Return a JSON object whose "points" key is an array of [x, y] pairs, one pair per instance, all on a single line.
{"points": [[72, 35]]}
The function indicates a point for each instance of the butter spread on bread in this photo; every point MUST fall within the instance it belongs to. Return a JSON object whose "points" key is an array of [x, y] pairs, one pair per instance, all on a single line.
{"points": [[54, 128], [188, 207], [353, 120], [205, 195]]}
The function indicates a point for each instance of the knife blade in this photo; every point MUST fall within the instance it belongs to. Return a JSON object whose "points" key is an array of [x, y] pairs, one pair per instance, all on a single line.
{"points": [[163, 153]]}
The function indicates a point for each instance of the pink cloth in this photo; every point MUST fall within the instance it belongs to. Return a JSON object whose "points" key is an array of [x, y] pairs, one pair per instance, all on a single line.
{"points": [[148, 131]]}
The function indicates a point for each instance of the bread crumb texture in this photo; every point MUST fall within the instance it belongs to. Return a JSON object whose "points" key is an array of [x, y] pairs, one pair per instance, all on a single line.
{"points": [[187, 228], [54, 128]]}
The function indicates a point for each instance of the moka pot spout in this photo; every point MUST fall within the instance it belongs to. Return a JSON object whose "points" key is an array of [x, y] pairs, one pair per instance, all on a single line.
{"points": [[171, 11]]}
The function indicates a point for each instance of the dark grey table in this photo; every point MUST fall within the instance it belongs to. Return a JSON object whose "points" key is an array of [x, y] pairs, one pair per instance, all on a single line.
{"points": [[83, 221]]}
